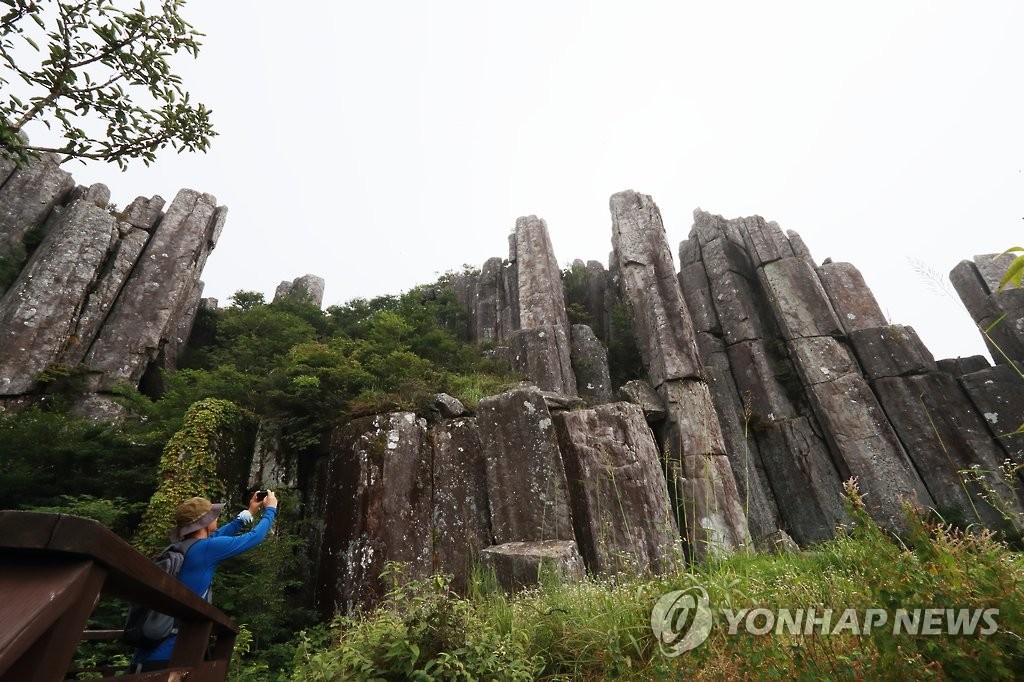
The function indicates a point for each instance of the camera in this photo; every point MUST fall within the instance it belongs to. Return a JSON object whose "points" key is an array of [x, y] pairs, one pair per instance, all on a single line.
{"points": [[261, 495]]}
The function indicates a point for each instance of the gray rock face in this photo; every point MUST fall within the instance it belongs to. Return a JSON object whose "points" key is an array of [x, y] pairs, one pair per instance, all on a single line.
{"points": [[891, 351], [461, 516], [708, 508], [944, 437], [374, 493], [802, 477], [641, 394], [26, 199], [309, 288], [752, 484], [542, 355], [521, 564], [998, 396], [541, 299], [40, 311], [960, 366], [999, 312], [590, 364], [851, 298], [620, 501], [487, 300], [860, 437], [650, 289], [145, 314], [798, 300], [526, 482]]}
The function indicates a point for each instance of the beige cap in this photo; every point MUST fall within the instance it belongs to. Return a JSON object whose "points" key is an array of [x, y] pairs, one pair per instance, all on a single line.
{"points": [[191, 515]]}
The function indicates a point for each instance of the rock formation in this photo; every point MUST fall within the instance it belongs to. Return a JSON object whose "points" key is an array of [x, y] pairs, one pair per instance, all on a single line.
{"points": [[107, 294], [767, 381]]}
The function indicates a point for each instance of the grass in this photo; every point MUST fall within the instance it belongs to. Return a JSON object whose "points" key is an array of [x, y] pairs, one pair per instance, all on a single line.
{"points": [[600, 628]]}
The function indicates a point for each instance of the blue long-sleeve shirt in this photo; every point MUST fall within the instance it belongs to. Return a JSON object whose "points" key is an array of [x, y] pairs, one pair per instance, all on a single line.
{"points": [[201, 560]]}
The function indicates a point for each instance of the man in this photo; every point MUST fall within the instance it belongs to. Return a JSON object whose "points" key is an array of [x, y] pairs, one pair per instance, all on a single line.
{"points": [[197, 518]]}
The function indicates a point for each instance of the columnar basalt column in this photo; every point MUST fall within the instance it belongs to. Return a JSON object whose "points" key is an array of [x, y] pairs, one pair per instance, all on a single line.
{"points": [[707, 504]]}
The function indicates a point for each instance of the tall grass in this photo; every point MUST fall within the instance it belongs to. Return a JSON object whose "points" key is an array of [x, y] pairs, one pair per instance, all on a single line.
{"points": [[600, 628]]}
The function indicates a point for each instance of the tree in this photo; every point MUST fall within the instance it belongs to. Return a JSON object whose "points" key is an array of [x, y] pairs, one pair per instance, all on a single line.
{"points": [[98, 73]]}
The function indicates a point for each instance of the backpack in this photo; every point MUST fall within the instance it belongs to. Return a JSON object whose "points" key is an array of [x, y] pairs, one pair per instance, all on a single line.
{"points": [[144, 627]]}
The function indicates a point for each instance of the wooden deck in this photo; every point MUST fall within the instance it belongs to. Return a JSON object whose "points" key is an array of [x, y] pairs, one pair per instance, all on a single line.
{"points": [[53, 570]]}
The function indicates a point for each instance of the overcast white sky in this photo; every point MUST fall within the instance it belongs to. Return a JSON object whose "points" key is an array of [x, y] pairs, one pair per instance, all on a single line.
{"points": [[379, 144]]}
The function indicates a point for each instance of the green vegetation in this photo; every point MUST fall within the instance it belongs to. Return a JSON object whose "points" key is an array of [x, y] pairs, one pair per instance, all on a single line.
{"points": [[601, 629], [288, 368], [99, 74]]}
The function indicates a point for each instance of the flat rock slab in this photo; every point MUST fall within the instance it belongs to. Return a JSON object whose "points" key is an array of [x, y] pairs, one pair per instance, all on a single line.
{"points": [[641, 393], [620, 501], [851, 298], [526, 482], [798, 300], [522, 564], [891, 351]]}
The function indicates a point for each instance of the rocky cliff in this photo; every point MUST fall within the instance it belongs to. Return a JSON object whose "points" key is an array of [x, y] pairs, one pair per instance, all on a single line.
{"points": [[768, 381], [106, 294]]}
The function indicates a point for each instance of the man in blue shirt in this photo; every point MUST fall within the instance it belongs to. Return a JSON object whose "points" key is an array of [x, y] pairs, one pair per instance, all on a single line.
{"points": [[197, 518]]}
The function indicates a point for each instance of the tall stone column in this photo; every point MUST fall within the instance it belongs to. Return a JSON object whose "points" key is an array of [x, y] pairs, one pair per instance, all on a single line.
{"points": [[707, 502]]}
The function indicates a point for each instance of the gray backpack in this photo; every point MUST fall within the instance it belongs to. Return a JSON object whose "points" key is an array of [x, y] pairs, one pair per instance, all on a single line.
{"points": [[146, 628]]}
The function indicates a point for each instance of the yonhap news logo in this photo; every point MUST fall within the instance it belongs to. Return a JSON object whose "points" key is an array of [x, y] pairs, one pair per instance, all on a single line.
{"points": [[682, 620]]}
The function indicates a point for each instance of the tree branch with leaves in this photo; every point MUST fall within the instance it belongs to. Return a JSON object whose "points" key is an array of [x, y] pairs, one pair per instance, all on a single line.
{"points": [[98, 73]]}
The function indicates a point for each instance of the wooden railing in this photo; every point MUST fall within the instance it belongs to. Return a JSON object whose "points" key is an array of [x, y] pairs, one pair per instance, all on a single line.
{"points": [[53, 570]]}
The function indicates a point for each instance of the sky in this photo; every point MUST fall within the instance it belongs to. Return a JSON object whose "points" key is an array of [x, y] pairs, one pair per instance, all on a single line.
{"points": [[381, 144]]}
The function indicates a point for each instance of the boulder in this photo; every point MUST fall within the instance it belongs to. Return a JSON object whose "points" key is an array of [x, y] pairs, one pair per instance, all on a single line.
{"points": [[523, 564], [308, 288], [526, 482], [620, 502], [448, 406], [640, 393]]}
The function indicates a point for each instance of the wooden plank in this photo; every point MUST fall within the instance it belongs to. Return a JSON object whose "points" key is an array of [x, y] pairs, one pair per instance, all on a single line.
{"points": [[36, 596], [132, 577], [51, 655]]}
